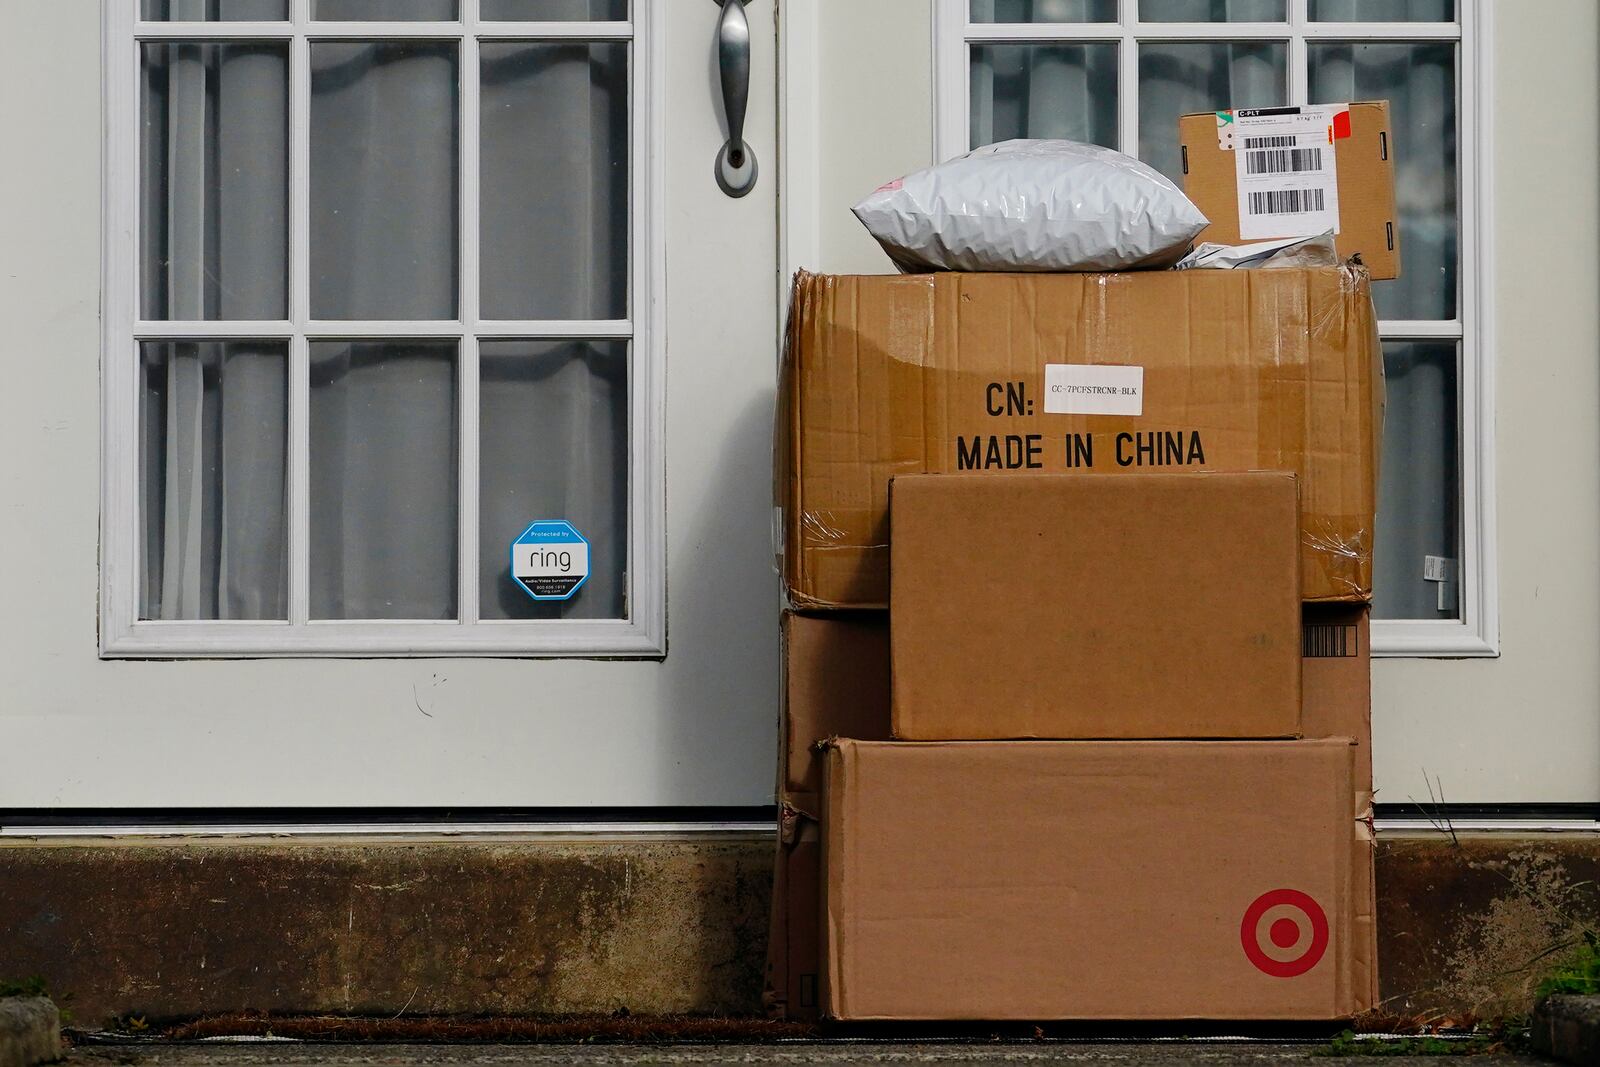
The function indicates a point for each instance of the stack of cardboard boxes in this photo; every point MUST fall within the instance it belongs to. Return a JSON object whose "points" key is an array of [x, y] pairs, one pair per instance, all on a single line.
{"points": [[1063, 746]]}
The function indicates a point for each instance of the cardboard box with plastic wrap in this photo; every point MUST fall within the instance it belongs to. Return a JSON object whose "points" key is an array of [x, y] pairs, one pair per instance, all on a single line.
{"points": [[1076, 373]]}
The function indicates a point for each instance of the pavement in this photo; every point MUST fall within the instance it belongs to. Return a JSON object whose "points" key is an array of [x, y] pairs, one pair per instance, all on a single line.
{"points": [[1155, 1054]]}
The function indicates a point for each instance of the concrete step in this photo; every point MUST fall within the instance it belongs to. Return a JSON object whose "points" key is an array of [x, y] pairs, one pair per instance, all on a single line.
{"points": [[1567, 1028]]}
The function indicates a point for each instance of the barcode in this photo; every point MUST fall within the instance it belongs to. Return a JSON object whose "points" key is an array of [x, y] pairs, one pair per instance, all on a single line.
{"points": [[1283, 161], [1287, 201], [1270, 142], [1326, 640]]}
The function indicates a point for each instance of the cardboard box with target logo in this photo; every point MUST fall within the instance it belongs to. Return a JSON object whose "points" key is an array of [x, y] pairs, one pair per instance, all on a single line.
{"points": [[1034, 880]]}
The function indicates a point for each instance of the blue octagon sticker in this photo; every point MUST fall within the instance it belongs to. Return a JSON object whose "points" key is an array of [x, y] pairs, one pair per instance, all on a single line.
{"points": [[550, 560]]}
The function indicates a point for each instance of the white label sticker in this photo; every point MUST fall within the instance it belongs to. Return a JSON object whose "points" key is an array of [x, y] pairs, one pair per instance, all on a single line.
{"points": [[550, 560], [1286, 173], [1093, 389]]}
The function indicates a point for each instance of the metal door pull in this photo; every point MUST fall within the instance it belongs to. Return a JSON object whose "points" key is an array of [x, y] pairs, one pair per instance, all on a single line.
{"points": [[736, 163]]}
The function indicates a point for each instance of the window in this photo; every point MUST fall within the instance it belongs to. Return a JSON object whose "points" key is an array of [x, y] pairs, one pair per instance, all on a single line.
{"points": [[1120, 73], [379, 283]]}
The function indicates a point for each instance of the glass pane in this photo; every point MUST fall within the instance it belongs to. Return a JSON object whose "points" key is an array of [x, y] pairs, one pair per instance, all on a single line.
{"points": [[1419, 497], [384, 186], [1419, 81], [1383, 10], [554, 196], [1177, 78], [1212, 11], [212, 446], [554, 445], [214, 181], [554, 10], [387, 10], [1064, 91], [1044, 10], [383, 479], [214, 10]]}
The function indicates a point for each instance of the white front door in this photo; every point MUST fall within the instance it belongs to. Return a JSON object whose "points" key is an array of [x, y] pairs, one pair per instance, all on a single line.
{"points": [[422, 339]]}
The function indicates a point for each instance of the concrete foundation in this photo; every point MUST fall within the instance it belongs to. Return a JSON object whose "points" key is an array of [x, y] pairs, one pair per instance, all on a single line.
{"points": [[162, 929]]}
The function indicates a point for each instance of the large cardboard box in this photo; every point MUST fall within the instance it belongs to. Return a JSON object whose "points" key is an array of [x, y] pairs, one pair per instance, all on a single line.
{"points": [[1262, 173], [1096, 374], [835, 684], [1065, 606], [1035, 880]]}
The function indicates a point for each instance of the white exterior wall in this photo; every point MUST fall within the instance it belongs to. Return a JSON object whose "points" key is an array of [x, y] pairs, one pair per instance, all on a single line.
{"points": [[1526, 726], [77, 731]]}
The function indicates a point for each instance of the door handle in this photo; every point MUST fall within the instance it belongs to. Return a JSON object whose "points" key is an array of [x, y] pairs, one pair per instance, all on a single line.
{"points": [[736, 163]]}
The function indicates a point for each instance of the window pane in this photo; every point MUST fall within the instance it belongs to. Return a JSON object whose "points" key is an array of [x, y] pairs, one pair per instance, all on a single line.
{"points": [[1419, 498], [1212, 11], [1383, 10], [554, 11], [1177, 78], [383, 480], [554, 445], [384, 187], [212, 443], [390, 10], [1054, 90], [214, 181], [554, 197], [1044, 10], [214, 10], [1419, 81]]}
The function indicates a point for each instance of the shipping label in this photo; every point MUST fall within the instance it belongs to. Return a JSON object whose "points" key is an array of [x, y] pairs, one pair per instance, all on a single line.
{"points": [[1093, 389], [1284, 160]]}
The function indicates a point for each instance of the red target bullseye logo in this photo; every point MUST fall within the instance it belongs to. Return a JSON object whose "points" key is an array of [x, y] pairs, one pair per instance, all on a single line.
{"points": [[1284, 933]]}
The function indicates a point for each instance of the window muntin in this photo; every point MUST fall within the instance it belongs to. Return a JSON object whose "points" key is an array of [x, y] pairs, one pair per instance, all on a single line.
{"points": [[378, 322], [1422, 59]]}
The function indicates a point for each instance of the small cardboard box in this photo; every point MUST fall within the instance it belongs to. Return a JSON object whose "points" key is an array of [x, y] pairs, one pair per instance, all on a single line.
{"points": [[1033, 880], [1065, 606], [1261, 173], [1206, 370], [835, 684]]}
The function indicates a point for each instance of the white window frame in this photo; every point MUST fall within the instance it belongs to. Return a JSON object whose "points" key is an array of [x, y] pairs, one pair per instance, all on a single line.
{"points": [[1477, 632], [122, 633]]}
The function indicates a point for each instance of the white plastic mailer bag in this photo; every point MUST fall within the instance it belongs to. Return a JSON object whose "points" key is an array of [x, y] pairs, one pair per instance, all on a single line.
{"points": [[1030, 205]]}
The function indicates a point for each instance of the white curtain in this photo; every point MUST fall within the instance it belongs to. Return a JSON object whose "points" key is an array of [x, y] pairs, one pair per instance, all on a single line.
{"points": [[214, 10], [384, 433], [213, 444], [555, 120]]}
